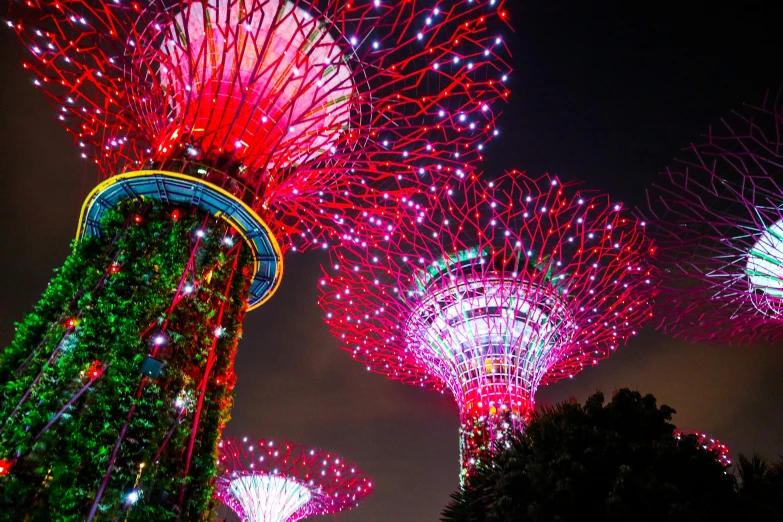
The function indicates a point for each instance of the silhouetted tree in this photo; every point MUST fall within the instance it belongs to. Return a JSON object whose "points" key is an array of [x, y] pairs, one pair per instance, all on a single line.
{"points": [[761, 487], [611, 462]]}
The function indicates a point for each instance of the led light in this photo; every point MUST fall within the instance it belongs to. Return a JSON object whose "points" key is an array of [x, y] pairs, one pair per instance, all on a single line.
{"points": [[279, 485], [477, 315]]}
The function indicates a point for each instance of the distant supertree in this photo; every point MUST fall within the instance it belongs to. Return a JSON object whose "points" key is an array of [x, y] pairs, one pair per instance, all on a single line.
{"points": [[226, 132], [718, 217], [520, 282], [276, 481], [714, 446]]}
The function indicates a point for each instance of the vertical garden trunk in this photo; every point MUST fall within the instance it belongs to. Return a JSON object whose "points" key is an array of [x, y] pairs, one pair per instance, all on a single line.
{"points": [[120, 380]]}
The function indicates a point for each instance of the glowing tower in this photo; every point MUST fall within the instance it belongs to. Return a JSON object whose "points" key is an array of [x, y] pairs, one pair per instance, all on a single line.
{"points": [[277, 481], [707, 443], [520, 282], [718, 219], [225, 133]]}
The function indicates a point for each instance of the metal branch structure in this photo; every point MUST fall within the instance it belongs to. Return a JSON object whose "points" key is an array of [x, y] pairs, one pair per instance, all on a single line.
{"points": [[714, 446], [304, 110], [515, 283], [267, 480], [719, 223], [225, 134]]}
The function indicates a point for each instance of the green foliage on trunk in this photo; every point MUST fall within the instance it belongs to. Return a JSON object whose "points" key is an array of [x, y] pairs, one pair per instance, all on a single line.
{"points": [[100, 315]]}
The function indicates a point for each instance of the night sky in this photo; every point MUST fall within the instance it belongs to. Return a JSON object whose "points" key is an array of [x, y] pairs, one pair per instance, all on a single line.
{"points": [[606, 94]]}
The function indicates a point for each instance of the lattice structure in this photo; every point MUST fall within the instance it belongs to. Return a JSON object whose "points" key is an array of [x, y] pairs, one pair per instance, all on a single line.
{"points": [[235, 131], [719, 225], [520, 282], [307, 112], [276, 481], [714, 446]]}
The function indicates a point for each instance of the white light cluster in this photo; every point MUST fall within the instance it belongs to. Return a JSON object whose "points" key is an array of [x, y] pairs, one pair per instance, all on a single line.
{"points": [[268, 498]]}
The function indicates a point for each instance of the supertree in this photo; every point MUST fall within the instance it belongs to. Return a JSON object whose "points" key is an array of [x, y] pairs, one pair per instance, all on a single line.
{"points": [[704, 441], [718, 221], [226, 132], [276, 481], [517, 282]]}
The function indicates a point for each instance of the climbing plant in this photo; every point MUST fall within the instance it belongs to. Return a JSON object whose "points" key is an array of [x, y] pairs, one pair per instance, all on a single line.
{"points": [[115, 389]]}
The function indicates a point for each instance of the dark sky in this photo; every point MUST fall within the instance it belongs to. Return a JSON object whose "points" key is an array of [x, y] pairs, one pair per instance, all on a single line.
{"points": [[602, 92]]}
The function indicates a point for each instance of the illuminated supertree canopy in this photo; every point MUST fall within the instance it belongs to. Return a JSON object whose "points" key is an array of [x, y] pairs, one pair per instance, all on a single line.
{"points": [[518, 282], [276, 481], [299, 109], [719, 224], [714, 446], [225, 133]]}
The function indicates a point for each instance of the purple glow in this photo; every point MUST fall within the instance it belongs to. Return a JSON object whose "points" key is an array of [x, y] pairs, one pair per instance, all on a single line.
{"points": [[276, 481]]}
